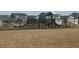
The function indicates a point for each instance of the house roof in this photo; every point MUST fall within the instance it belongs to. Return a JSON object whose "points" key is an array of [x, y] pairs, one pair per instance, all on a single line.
{"points": [[20, 14], [75, 14], [45, 13], [50, 13], [56, 15]]}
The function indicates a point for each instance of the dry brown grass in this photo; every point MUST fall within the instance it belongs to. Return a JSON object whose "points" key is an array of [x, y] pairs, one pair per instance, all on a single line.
{"points": [[40, 38]]}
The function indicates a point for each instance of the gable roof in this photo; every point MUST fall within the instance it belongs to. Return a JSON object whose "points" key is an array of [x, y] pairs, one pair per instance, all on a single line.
{"points": [[50, 13], [45, 13], [20, 14], [75, 14]]}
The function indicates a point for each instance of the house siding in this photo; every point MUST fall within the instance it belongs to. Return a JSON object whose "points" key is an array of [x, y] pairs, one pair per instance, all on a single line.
{"points": [[59, 20], [73, 20]]}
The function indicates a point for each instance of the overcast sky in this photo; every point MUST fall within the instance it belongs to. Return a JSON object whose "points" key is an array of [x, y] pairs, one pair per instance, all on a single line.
{"points": [[36, 12]]}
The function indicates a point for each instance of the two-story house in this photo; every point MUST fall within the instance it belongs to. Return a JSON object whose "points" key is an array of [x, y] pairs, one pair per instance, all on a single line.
{"points": [[19, 18], [46, 19], [58, 19]]}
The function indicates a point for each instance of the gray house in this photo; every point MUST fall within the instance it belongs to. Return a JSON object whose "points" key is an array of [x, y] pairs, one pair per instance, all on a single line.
{"points": [[5, 21], [32, 21], [19, 19], [46, 20]]}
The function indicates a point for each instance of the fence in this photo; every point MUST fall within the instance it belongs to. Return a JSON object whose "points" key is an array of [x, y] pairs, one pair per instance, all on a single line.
{"points": [[37, 26]]}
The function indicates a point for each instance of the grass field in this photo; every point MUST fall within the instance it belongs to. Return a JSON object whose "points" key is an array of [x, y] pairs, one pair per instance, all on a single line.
{"points": [[45, 38]]}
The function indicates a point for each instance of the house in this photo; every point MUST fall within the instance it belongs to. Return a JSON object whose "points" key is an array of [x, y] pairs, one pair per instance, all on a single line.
{"points": [[32, 20], [46, 19], [51, 20], [58, 19], [5, 22], [65, 18], [74, 18], [19, 19], [42, 16]]}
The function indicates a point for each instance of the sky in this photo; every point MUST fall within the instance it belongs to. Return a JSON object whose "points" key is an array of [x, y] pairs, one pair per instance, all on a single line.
{"points": [[36, 12]]}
